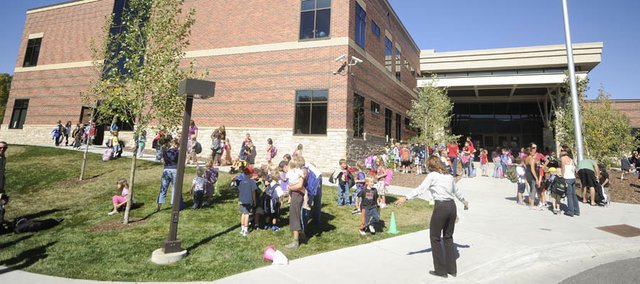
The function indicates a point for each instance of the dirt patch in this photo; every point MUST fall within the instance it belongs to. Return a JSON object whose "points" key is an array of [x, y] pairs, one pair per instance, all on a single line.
{"points": [[625, 191], [116, 224], [74, 182]]}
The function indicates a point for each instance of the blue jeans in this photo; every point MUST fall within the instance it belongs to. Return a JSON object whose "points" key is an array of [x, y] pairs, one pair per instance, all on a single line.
{"points": [[316, 209], [158, 153], [454, 165], [343, 194], [572, 199], [168, 176]]}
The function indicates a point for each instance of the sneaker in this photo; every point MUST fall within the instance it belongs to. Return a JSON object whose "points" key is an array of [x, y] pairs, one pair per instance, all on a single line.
{"points": [[520, 203], [245, 234], [355, 211], [112, 212], [372, 229], [555, 211], [266, 227], [275, 228], [293, 245], [362, 233]]}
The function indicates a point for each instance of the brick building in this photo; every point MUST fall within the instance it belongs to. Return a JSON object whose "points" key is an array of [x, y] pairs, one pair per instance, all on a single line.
{"points": [[276, 65]]}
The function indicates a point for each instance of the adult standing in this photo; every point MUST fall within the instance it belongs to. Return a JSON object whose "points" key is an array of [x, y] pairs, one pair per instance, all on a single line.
{"points": [[296, 194], [169, 172], [568, 170], [587, 170], [532, 176], [443, 188], [3, 164], [452, 154]]}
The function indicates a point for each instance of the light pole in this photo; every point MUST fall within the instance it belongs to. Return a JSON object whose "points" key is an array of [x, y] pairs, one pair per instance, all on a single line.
{"points": [[171, 250], [572, 80]]}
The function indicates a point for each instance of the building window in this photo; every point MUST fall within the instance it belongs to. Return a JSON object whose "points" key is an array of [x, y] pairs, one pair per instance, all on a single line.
{"points": [[311, 112], [375, 29], [358, 116], [33, 51], [398, 65], [398, 127], [388, 53], [375, 107], [315, 19], [407, 123], [361, 25], [19, 114], [388, 115]]}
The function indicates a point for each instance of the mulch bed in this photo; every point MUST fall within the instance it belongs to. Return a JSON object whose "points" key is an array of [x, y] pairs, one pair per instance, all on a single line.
{"points": [[625, 191]]}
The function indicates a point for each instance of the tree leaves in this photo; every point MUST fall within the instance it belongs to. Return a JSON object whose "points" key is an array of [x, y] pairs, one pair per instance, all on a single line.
{"points": [[431, 114]]}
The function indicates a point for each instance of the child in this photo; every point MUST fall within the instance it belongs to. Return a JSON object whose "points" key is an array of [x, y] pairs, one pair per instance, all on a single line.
{"points": [[344, 183], [246, 199], [271, 152], [121, 199], [193, 153], [258, 210], [522, 182], [484, 162], [115, 143], [142, 142], [294, 175], [381, 174], [555, 196], [497, 167], [271, 202], [197, 188], [283, 168], [359, 179], [603, 181], [211, 176], [369, 206]]}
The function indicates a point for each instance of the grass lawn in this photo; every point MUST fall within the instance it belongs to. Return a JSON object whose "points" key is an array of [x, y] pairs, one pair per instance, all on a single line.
{"points": [[88, 244]]}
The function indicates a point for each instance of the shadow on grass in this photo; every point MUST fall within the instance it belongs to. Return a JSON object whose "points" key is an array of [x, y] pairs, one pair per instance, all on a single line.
{"points": [[25, 258], [33, 226], [456, 246], [42, 213], [11, 243], [316, 229], [210, 238]]}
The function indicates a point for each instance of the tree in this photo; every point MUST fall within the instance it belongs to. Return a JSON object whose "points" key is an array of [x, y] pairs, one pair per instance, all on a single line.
{"points": [[607, 131], [5, 87], [564, 125], [141, 67], [431, 114]]}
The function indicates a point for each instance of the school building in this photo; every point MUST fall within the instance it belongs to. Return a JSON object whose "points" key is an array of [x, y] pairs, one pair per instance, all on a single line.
{"points": [[335, 76]]}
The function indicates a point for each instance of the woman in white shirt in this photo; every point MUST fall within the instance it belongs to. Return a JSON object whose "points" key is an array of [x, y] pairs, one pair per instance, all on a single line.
{"points": [[568, 170], [443, 188]]}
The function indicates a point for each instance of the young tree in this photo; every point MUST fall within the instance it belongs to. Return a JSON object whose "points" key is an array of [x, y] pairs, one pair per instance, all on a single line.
{"points": [[564, 125], [607, 131], [5, 86], [431, 114], [140, 62]]}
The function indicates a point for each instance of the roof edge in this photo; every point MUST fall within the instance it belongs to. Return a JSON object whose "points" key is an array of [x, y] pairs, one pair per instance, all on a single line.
{"points": [[520, 49], [59, 5]]}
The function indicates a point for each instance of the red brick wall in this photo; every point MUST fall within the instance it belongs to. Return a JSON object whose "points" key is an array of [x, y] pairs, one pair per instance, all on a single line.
{"points": [[631, 109]]}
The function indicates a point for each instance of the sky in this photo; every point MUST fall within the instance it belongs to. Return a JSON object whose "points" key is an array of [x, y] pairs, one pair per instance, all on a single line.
{"points": [[450, 25]]}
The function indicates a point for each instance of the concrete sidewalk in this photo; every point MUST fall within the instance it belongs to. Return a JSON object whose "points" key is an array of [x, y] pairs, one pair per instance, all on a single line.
{"points": [[497, 240]]}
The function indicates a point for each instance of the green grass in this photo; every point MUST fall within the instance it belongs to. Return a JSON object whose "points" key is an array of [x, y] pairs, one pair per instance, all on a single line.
{"points": [[88, 244]]}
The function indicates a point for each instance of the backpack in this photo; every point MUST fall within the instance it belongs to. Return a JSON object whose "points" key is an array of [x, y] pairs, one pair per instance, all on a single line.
{"points": [[369, 162], [312, 183], [197, 147], [274, 151], [389, 177], [559, 186], [108, 154], [215, 145], [405, 154]]}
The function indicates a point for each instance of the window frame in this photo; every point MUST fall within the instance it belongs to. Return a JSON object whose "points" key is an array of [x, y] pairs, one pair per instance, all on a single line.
{"points": [[315, 20], [398, 127], [398, 63], [375, 107], [360, 26], [358, 116], [375, 29], [388, 123], [32, 52], [388, 53], [16, 117], [311, 103]]}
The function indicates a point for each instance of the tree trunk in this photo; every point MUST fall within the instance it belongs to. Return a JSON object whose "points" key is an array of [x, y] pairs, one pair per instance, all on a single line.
{"points": [[132, 174]]}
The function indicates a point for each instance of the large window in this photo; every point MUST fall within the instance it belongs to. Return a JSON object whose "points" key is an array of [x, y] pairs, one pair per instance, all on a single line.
{"points": [[358, 115], [375, 29], [398, 127], [315, 19], [19, 114], [361, 25], [388, 53], [388, 116], [33, 51], [311, 112], [398, 65]]}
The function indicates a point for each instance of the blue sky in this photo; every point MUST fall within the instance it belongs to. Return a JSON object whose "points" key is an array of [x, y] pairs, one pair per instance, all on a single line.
{"points": [[448, 25]]}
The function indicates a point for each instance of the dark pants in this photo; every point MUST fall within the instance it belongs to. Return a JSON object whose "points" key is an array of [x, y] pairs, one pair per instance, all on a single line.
{"points": [[441, 228], [316, 209], [197, 198]]}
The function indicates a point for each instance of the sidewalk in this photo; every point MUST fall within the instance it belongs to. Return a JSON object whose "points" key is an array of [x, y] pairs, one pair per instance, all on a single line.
{"points": [[497, 241]]}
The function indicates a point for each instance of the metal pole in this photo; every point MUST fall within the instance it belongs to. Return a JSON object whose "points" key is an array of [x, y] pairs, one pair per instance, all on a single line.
{"points": [[572, 79], [172, 244]]}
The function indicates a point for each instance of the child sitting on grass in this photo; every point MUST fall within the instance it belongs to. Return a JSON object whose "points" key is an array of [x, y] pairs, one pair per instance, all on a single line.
{"points": [[197, 188], [369, 207], [121, 199]]}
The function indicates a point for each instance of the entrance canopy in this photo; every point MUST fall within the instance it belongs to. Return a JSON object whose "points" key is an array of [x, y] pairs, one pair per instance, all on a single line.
{"points": [[521, 74]]}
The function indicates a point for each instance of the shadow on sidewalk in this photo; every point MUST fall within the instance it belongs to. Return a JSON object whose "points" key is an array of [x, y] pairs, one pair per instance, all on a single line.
{"points": [[25, 258], [456, 246]]}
